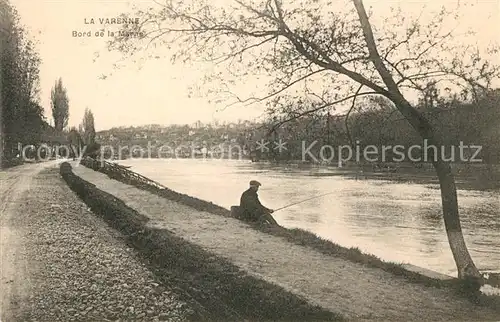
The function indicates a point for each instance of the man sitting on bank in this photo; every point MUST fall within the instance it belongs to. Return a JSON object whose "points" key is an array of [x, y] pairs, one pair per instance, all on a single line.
{"points": [[251, 209]]}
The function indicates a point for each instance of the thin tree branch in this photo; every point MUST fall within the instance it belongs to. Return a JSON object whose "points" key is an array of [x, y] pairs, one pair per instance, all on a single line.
{"points": [[349, 112], [299, 115]]}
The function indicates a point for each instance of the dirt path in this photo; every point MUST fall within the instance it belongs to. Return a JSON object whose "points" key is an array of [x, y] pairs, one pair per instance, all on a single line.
{"points": [[60, 262], [356, 291], [15, 283]]}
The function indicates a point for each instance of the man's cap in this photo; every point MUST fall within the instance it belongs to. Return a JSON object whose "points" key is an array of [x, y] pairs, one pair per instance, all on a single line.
{"points": [[255, 183]]}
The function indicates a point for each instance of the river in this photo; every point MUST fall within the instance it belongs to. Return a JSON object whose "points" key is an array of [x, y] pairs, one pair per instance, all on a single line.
{"points": [[399, 222]]}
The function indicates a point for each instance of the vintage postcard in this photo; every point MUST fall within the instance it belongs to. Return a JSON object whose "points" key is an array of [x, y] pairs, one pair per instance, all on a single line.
{"points": [[247, 160]]}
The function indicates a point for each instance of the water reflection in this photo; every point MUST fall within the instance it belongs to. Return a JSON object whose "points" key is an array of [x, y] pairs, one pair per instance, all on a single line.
{"points": [[400, 222]]}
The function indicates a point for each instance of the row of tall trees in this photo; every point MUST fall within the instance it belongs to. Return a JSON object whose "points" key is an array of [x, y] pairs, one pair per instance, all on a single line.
{"points": [[22, 120], [21, 115], [78, 138]]}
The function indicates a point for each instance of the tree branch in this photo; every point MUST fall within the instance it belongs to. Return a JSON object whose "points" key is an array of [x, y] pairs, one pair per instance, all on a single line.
{"points": [[348, 113], [287, 86], [299, 115]]}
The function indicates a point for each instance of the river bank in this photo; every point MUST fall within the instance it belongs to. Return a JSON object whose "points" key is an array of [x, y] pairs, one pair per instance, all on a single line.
{"points": [[235, 241], [218, 290], [393, 221], [396, 221]]}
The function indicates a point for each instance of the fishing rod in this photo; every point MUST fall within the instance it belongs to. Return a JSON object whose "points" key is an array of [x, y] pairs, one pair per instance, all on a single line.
{"points": [[296, 203]]}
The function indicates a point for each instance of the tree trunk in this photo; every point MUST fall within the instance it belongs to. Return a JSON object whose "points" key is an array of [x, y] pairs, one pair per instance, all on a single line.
{"points": [[465, 266]]}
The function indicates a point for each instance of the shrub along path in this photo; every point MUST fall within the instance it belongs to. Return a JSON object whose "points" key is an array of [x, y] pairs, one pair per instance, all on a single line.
{"points": [[353, 290]]}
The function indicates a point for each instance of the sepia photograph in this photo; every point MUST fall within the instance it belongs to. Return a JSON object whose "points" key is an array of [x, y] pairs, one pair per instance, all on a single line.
{"points": [[249, 160]]}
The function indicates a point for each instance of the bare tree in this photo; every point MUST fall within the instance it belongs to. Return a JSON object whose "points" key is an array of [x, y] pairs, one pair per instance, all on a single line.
{"points": [[60, 105], [321, 54]]}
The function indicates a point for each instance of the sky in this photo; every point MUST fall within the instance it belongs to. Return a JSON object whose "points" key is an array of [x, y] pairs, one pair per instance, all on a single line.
{"points": [[157, 92]]}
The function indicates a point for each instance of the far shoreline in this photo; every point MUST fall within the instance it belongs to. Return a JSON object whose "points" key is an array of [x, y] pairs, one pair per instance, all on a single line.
{"points": [[468, 177]]}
